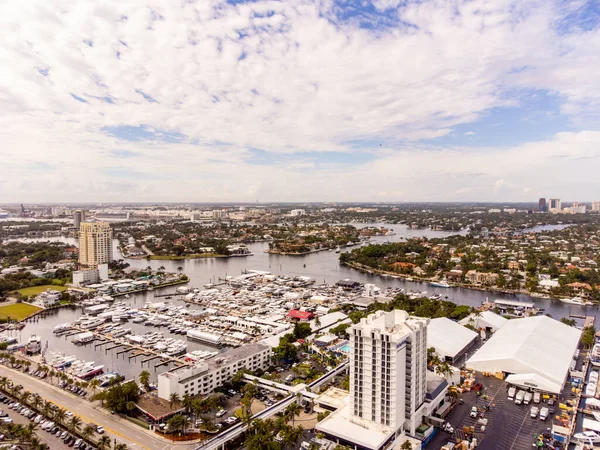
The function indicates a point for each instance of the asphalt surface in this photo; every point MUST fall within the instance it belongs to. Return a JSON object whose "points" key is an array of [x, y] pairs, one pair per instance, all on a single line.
{"points": [[116, 428], [51, 441], [509, 426]]}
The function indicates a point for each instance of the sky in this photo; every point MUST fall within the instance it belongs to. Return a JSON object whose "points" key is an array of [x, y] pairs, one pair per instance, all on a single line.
{"points": [[299, 100]]}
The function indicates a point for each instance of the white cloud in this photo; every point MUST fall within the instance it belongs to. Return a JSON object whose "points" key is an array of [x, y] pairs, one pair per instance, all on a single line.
{"points": [[287, 78], [469, 133]]}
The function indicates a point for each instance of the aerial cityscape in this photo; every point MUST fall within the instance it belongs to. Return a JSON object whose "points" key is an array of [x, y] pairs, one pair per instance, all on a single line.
{"points": [[300, 225]]}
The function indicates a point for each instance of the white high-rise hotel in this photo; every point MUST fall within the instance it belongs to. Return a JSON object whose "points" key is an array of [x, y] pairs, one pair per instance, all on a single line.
{"points": [[389, 383], [388, 366]]}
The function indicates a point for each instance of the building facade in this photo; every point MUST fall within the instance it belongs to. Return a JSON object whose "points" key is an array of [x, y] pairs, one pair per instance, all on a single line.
{"points": [[203, 378], [95, 244], [555, 205], [542, 205], [78, 218], [388, 365]]}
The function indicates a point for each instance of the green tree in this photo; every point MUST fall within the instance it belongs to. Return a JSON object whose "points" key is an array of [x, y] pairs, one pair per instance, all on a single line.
{"points": [[173, 399], [74, 424], [292, 411], [88, 431], [103, 443], [588, 336], [302, 330], [176, 423], [144, 378]]}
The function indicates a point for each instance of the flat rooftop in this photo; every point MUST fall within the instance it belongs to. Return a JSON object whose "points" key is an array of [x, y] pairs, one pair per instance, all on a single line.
{"points": [[156, 407], [333, 397], [364, 433]]}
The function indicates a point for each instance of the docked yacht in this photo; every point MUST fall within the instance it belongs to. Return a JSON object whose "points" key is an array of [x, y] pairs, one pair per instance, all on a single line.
{"points": [[590, 437], [34, 345], [90, 324], [440, 284], [62, 327], [595, 355], [83, 338], [576, 301]]}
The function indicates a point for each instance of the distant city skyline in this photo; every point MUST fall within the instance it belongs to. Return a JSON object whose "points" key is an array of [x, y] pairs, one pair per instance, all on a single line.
{"points": [[299, 101]]}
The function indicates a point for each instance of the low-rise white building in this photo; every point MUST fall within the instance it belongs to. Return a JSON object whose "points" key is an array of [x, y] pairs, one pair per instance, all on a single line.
{"points": [[450, 339], [208, 375], [535, 352]]}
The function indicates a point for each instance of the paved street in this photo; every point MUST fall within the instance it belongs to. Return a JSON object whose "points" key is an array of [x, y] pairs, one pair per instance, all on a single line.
{"points": [[116, 428]]}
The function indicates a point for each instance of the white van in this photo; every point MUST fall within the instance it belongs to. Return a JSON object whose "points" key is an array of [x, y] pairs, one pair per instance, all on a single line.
{"points": [[519, 397], [543, 413], [536, 397], [527, 398], [511, 393]]}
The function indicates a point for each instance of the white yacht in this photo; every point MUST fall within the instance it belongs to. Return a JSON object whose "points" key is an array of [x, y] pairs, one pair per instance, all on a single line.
{"points": [[590, 437], [576, 301]]}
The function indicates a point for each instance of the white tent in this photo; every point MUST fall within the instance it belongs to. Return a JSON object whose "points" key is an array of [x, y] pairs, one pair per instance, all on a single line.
{"points": [[485, 320], [448, 337], [530, 346], [533, 381]]}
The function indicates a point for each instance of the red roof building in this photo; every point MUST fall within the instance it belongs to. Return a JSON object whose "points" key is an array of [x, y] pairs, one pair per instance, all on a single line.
{"points": [[294, 314]]}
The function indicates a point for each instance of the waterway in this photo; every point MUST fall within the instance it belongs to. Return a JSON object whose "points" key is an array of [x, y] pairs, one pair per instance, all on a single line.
{"points": [[322, 266]]}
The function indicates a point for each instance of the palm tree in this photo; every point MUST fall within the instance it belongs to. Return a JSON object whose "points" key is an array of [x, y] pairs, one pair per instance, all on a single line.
{"points": [[75, 424], [187, 402], [406, 445], [59, 415], [16, 389], [144, 378], [103, 443], [94, 384], [292, 411], [173, 398], [291, 435], [179, 270], [120, 447], [88, 431], [36, 402], [46, 408], [25, 397], [3, 383]]}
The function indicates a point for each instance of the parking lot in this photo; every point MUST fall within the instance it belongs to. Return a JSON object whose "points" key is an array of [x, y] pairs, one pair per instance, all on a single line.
{"points": [[509, 425]]}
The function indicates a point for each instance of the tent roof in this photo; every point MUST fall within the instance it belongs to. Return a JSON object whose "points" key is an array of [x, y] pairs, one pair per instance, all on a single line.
{"points": [[539, 345], [448, 337], [535, 381]]}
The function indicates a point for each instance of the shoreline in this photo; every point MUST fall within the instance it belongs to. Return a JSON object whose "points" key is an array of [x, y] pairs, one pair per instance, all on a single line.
{"points": [[386, 274]]}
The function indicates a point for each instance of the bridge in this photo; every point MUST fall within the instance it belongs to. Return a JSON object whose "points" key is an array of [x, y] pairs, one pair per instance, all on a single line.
{"points": [[218, 443]]}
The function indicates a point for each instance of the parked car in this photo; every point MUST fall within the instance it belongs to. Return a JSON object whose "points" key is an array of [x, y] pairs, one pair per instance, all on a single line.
{"points": [[536, 397], [221, 412], [474, 412], [543, 413], [511, 393], [100, 430]]}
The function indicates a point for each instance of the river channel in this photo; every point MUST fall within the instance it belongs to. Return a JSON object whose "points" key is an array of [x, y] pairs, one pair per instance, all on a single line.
{"points": [[322, 266]]}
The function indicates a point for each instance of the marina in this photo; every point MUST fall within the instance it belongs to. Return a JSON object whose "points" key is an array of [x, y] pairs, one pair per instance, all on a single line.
{"points": [[207, 276]]}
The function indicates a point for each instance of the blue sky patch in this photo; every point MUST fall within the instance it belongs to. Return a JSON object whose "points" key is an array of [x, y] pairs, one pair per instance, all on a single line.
{"points": [[78, 98], [140, 133], [146, 96], [536, 118]]}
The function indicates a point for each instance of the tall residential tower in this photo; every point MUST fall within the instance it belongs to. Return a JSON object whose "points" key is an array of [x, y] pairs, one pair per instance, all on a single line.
{"points": [[95, 244]]}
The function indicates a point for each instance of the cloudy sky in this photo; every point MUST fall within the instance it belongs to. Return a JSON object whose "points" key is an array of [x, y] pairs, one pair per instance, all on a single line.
{"points": [[299, 100]]}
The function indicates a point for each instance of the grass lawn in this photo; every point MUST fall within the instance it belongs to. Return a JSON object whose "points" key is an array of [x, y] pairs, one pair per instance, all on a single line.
{"points": [[35, 290], [17, 311]]}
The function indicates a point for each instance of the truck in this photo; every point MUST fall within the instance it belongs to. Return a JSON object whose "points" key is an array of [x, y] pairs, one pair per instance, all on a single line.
{"points": [[511, 393], [519, 397], [543, 413], [534, 412], [536, 397], [527, 398]]}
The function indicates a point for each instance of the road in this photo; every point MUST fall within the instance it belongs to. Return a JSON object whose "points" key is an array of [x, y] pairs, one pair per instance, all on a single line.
{"points": [[117, 428]]}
